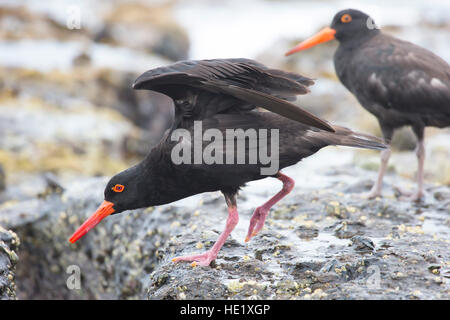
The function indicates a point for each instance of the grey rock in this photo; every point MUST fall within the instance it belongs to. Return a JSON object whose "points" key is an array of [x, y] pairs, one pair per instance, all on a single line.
{"points": [[9, 243], [129, 255]]}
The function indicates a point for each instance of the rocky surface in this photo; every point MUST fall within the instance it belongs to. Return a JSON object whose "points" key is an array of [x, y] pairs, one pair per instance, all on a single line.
{"points": [[69, 119], [9, 243], [148, 27], [112, 262], [317, 244], [321, 245]]}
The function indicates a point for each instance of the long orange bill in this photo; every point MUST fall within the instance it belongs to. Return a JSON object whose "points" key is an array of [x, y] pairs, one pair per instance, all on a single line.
{"points": [[105, 209], [324, 35]]}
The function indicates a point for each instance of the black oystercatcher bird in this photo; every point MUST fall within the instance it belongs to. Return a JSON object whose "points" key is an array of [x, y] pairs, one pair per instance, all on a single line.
{"points": [[400, 83], [222, 94]]}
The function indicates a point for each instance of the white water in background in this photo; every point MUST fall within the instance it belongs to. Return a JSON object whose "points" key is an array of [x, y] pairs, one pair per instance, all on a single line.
{"points": [[226, 28], [233, 28], [46, 55], [236, 28]]}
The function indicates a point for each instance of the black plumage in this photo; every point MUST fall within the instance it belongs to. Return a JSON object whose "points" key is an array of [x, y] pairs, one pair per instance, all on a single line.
{"points": [[399, 82], [222, 94], [207, 87]]}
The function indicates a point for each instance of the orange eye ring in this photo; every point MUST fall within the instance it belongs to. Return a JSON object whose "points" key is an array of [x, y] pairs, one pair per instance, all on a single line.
{"points": [[118, 188], [346, 18]]}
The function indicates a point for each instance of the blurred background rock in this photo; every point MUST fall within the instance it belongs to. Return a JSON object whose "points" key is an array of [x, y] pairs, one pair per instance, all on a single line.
{"points": [[67, 110]]}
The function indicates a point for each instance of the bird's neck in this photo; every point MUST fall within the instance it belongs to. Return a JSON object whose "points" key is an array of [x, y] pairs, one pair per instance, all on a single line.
{"points": [[357, 40], [346, 51], [159, 176]]}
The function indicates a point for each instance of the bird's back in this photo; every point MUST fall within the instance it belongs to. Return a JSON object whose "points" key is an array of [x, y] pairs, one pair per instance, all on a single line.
{"points": [[293, 141], [397, 81], [203, 88], [213, 97]]}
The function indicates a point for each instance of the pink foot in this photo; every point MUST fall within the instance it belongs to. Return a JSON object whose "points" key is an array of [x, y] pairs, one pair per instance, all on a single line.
{"points": [[203, 259], [416, 196], [259, 216], [256, 222], [372, 194]]}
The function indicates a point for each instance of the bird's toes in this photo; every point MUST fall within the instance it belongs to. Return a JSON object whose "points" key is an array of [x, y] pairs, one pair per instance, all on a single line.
{"points": [[407, 195], [202, 263], [203, 259], [256, 223], [403, 193], [372, 194], [417, 196], [250, 235], [251, 227]]}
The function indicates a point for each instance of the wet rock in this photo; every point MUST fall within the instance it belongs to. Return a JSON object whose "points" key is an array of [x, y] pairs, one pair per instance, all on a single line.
{"points": [[37, 141], [329, 266], [360, 187], [149, 110], [442, 195], [17, 23], [112, 261], [145, 27], [347, 230], [369, 266], [53, 184], [96, 92], [9, 243], [361, 243], [129, 255], [306, 233]]}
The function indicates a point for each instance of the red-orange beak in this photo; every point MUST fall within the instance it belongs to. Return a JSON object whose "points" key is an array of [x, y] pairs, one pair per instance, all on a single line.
{"points": [[105, 209], [324, 35]]}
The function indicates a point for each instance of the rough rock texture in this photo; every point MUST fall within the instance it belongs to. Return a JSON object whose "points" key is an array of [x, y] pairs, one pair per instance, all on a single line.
{"points": [[68, 113], [135, 25], [148, 28], [323, 244], [91, 90], [113, 260], [9, 243]]}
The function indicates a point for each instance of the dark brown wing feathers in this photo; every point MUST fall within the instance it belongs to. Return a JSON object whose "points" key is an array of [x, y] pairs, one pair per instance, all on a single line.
{"points": [[401, 76], [243, 82]]}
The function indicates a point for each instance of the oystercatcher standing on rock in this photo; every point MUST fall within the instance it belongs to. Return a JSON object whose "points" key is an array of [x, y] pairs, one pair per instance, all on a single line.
{"points": [[222, 94], [398, 82]]}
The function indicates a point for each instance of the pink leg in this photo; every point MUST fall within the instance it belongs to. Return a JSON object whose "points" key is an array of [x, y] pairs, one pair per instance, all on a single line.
{"points": [[376, 189], [259, 216], [418, 195], [420, 171], [205, 259]]}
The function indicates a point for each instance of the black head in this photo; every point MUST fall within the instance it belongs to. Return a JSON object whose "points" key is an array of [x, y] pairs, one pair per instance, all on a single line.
{"points": [[347, 26], [129, 189], [351, 23]]}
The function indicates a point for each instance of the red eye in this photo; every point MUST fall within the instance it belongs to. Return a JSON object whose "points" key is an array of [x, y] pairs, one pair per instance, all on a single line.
{"points": [[346, 18], [118, 188]]}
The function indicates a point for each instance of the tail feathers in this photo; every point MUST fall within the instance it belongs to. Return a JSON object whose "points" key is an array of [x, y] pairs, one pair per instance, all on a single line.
{"points": [[347, 137]]}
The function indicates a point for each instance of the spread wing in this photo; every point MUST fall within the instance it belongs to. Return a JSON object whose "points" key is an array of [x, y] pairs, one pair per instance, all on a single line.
{"points": [[203, 88]]}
